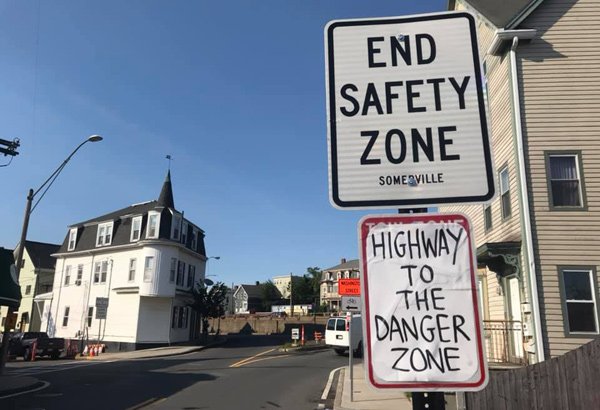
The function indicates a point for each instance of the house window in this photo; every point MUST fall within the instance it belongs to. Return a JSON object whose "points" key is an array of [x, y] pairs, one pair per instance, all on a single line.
{"points": [[176, 226], [564, 180], [487, 216], [72, 239], [100, 272], [153, 221], [136, 228], [579, 300], [185, 318], [79, 274], [194, 239], [148, 268], [191, 274], [184, 229], [173, 270], [505, 193], [27, 289], [104, 236], [67, 275], [175, 317], [180, 273], [65, 321], [90, 315], [132, 263]]}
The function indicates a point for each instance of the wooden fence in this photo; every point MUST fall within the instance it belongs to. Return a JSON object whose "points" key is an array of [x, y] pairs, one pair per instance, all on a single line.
{"points": [[568, 382]]}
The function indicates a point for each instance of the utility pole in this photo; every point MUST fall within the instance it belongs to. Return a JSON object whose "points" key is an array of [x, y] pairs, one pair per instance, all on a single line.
{"points": [[291, 293]]}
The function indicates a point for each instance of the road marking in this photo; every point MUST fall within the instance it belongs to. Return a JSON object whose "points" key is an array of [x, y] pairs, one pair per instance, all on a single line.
{"points": [[329, 382], [261, 359], [236, 364], [45, 384], [27, 371], [145, 403]]}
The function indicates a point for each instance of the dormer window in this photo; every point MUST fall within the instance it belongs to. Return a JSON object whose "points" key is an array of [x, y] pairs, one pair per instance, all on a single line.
{"points": [[194, 239], [72, 239], [175, 226], [104, 234], [184, 230], [136, 228], [153, 223]]}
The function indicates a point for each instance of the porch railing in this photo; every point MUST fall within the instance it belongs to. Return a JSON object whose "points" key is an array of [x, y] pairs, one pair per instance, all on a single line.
{"points": [[504, 342]]}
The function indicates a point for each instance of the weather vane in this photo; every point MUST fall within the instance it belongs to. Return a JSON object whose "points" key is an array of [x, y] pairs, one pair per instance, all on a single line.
{"points": [[170, 159]]}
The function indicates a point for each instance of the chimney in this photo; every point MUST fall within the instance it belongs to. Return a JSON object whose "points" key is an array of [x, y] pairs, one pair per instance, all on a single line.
{"points": [[257, 283], [343, 260]]}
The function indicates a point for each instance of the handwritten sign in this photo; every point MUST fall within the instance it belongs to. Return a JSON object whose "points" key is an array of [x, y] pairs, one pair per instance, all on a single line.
{"points": [[406, 114], [422, 327], [349, 287]]}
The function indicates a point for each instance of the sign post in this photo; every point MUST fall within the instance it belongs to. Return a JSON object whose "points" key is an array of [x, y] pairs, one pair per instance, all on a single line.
{"points": [[406, 112], [421, 319]]}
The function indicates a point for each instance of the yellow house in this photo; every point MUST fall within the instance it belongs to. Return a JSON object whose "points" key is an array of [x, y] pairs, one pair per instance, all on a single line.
{"points": [[36, 277]]}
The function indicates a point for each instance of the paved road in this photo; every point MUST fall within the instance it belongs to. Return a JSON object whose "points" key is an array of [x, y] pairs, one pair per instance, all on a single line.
{"points": [[246, 373]]}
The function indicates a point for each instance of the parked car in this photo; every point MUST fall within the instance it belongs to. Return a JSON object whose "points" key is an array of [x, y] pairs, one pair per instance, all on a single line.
{"points": [[337, 334], [21, 344]]}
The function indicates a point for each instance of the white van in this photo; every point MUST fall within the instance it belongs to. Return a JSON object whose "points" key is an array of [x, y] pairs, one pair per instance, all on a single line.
{"points": [[336, 334]]}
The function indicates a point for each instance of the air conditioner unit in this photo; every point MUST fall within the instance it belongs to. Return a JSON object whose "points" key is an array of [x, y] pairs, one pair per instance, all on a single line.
{"points": [[78, 282]]}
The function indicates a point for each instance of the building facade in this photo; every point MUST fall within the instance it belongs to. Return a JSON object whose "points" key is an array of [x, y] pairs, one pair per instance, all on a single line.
{"points": [[144, 260], [537, 241], [329, 293]]}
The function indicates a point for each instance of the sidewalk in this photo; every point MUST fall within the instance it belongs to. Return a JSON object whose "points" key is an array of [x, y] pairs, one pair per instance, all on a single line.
{"points": [[368, 398], [151, 353], [365, 396]]}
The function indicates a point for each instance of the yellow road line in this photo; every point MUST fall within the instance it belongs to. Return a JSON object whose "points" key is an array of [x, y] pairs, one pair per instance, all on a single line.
{"points": [[263, 358], [236, 364]]}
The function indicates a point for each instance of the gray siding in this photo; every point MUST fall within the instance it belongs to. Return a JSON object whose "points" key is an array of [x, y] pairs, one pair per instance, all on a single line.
{"points": [[560, 93]]}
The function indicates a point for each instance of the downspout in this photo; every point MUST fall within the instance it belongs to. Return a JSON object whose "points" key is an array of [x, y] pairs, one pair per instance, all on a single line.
{"points": [[60, 283], [531, 268]]}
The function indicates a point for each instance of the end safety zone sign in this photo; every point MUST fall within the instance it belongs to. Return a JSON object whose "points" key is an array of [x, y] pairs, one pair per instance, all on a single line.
{"points": [[420, 310], [406, 112]]}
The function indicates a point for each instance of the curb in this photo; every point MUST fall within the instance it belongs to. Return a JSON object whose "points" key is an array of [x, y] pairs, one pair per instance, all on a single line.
{"points": [[196, 349], [4, 394], [302, 349], [337, 403]]}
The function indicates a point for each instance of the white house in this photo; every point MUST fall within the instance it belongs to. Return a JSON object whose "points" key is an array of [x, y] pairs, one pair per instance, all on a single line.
{"points": [[145, 259]]}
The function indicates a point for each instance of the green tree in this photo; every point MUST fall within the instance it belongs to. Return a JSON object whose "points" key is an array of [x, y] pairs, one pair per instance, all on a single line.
{"points": [[268, 294], [208, 302]]}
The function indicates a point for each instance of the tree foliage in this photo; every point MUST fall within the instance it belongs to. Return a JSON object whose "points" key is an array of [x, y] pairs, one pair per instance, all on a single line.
{"points": [[208, 301], [305, 288], [268, 294]]}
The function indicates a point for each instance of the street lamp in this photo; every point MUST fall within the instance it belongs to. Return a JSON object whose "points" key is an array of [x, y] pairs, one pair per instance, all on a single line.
{"points": [[21, 247]]}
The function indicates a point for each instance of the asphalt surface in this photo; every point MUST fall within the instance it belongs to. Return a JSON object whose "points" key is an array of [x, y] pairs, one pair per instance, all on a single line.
{"points": [[246, 373]]}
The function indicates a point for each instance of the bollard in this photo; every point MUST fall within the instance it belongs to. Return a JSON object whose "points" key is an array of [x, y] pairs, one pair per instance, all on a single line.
{"points": [[33, 350]]}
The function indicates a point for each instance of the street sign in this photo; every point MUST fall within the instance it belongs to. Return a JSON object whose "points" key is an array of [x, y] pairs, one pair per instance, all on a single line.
{"points": [[101, 308], [295, 333], [349, 287], [351, 304], [421, 319], [406, 112]]}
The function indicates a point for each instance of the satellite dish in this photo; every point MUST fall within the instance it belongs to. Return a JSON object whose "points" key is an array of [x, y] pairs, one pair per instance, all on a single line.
{"points": [[208, 282]]}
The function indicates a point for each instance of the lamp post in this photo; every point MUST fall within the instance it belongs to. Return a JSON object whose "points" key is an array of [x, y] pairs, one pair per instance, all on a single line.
{"points": [[29, 208]]}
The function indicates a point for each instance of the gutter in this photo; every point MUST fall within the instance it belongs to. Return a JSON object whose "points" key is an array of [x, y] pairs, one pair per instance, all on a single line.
{"points": [[502, 37], [531, 268]]}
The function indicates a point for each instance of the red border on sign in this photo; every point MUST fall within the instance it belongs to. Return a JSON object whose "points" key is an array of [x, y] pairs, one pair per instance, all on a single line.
{"points": [[424, 218]]}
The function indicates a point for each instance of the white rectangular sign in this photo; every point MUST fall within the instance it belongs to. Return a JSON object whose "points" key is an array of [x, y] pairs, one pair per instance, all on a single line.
{"points": [[406, 112], [422, 326], [295, 333], [351, 304]]}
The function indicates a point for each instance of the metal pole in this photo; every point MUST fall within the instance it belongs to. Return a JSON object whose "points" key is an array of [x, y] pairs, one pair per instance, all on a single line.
{"points": [[18, 265], [291, 293], [428, 401], [350, 357]]}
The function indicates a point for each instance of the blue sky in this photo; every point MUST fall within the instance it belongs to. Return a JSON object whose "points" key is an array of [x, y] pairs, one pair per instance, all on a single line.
{"points": [[233, 90]]}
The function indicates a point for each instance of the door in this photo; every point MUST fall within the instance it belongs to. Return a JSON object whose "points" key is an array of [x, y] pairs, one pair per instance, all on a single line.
{"points": [[514, 310]]}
